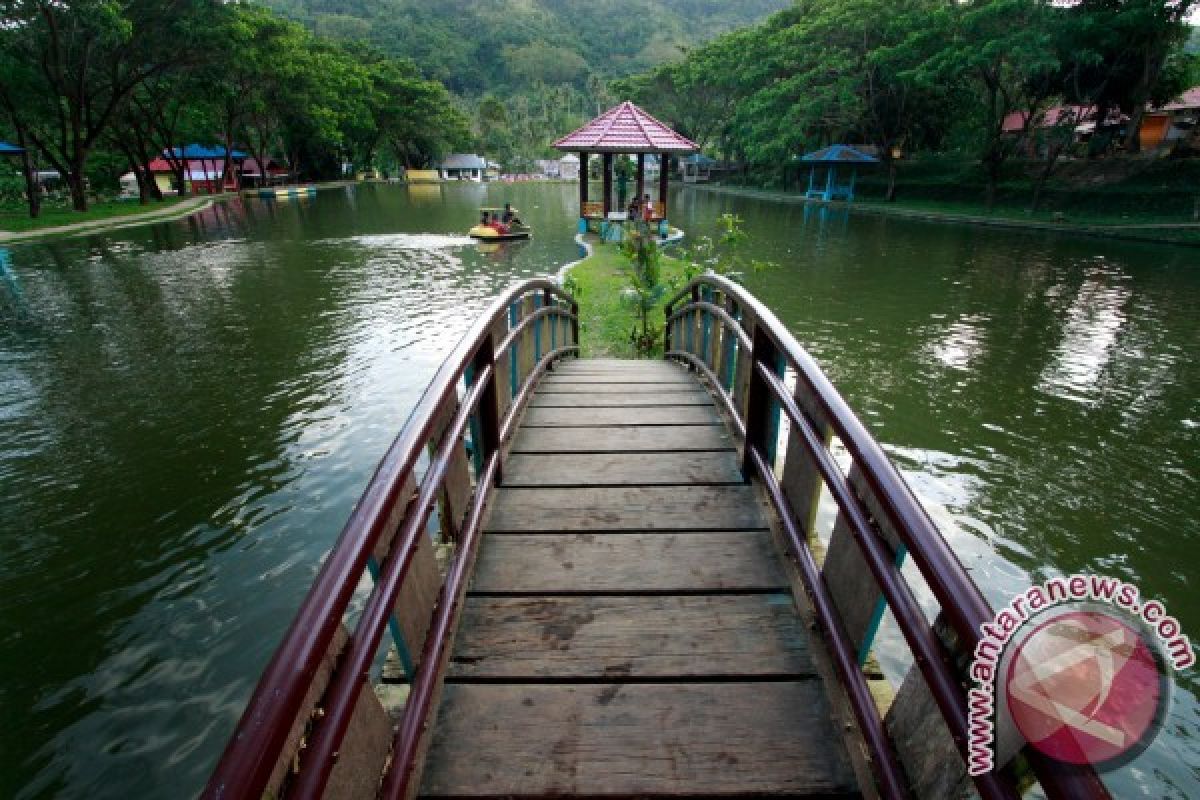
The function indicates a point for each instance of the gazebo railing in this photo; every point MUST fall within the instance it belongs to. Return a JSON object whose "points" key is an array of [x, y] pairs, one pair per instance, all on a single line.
{"points": [[314, 725], [748, 357]]}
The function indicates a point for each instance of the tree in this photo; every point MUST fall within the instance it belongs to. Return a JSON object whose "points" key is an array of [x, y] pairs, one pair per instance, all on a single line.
{"points": [[1001, 48], [89, 57]]}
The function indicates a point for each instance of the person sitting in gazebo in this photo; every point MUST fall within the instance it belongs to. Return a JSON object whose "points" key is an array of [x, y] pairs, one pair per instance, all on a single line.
{"points": [[647, 208]]}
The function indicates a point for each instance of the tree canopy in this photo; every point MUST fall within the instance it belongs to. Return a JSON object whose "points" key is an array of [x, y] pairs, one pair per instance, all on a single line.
{"points": [[922, 75], [123, 81]]}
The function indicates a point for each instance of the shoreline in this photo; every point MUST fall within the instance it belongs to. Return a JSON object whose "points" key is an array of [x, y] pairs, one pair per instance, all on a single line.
{"points": [[1134, 232], [183, 208]]}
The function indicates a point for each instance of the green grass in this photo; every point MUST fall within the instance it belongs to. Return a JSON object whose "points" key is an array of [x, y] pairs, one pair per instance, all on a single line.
{"points": [[15, 217], [605, 323]]}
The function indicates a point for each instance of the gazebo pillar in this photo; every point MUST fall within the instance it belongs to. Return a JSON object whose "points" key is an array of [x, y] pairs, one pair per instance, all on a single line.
{"points": [[608, 163], [664, 164], [583, 182], [641, 177], [829, 176]]}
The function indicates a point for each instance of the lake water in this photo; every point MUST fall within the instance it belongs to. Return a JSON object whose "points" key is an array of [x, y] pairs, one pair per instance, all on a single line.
{"points": [[189, 410]]}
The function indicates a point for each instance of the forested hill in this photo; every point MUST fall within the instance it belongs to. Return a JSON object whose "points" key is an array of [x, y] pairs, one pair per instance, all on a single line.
{"points": [[474, 46]]}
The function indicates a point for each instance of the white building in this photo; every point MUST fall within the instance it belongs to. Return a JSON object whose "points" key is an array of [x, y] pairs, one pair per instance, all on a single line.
{"points": [[568, 167], [463, 167]]}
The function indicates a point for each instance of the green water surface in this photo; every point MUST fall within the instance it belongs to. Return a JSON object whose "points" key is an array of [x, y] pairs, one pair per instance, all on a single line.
{"points": [[189, 410]]}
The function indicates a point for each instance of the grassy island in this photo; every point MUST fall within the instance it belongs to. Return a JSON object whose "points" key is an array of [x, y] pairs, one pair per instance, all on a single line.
{"points": [[605, 321]]}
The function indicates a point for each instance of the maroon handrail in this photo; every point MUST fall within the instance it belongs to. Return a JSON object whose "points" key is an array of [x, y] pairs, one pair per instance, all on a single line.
{"points": [[960, 599], [257, 743]]}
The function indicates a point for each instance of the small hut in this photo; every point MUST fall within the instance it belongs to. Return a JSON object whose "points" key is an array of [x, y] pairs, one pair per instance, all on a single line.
{"points": [[7, 149], [623, 129], [831, 158]]}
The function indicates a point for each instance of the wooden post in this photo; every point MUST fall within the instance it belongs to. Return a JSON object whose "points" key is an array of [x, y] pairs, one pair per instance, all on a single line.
{"points": [[664, 165], [641, 177], [608, 174], [759, 407], [583, 182], [489, 419]]}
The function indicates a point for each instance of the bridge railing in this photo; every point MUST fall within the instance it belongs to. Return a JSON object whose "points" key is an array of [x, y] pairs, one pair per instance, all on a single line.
{"points": [[315, 700], [749, 358]]}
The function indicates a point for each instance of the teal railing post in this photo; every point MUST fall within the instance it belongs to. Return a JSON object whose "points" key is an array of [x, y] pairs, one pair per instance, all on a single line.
{"points": [[406, 661], [513, 382], [727, 347], [537, 330], [877, 613]]}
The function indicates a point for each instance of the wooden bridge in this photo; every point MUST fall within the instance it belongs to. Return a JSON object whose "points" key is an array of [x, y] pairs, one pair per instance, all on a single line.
{"points": [[607, 578]]}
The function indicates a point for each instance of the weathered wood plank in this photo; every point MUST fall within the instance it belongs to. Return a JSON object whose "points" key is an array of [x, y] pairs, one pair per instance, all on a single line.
{"points": [[651, 415], [694, 397], [619, 363], [668, 739], [503, 361], [852, 586], [628, 562], [457, 485], [367, 737], [622, 439], [630, 637], [621, 469], [618, 378], [525, 351], [562, 386], [681, 508]]}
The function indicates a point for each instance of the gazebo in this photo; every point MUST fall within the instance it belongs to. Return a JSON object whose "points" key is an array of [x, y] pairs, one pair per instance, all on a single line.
{"points": [[831, 157], [7, 149], [622, 129]]}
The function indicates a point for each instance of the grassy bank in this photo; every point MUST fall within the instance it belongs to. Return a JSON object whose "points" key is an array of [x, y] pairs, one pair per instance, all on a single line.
{"points": [[15, 218], [1136, 198], [604, 322], [1104, 192]]}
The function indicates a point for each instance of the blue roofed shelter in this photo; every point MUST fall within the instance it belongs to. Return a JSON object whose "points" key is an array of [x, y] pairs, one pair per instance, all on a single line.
{"points": [[7, 149], [831, 158]]}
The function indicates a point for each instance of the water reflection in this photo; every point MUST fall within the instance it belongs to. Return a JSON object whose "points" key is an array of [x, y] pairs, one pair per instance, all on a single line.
{"points": [[188, 414], [189, 410], [1094, 319]]}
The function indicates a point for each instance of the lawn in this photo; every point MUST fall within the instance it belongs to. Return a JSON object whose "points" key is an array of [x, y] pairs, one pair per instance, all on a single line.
{"points": [[605, 323], [14, 217]]}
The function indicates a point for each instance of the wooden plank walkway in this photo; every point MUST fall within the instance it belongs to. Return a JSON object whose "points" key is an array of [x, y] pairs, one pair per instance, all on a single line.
{"points": [[630, 630]]}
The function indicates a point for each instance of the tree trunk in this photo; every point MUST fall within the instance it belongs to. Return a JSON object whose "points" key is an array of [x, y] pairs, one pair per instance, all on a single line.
{"points": [[1133, 136], [33, 190], [76, 181], [890, 197]]}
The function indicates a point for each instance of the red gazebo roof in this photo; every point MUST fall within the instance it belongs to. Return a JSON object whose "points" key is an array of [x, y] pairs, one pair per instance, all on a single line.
{"points": [[626, 129]]}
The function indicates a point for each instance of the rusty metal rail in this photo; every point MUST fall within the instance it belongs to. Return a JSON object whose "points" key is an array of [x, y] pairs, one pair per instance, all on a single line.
{"points": [[718, 328], [313, 690]]}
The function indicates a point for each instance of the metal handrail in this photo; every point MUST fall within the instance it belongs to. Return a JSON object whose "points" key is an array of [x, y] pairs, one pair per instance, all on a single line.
{"points": [[258, 741], [961, 601]]}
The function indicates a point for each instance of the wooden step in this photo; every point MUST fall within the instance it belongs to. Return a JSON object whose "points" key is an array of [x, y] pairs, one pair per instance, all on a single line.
{"points": [[592, 638], [628, 562], [683, 397], [652, 377], [632, 508], [645, 415], [622, 469], [650, 740], [622, 438], [565, 386]]}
